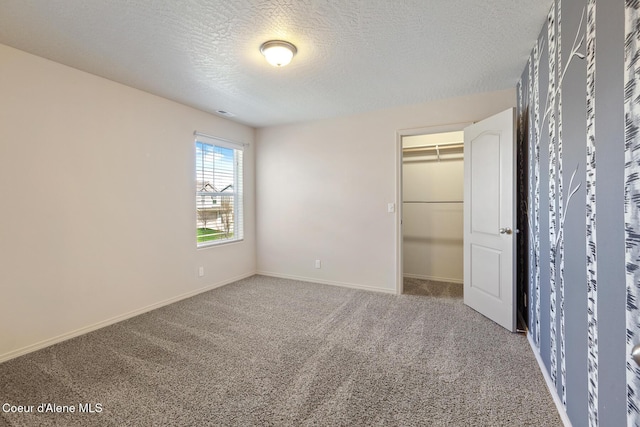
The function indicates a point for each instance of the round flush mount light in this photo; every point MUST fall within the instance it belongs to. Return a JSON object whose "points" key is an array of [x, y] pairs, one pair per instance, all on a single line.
{"points": [[278, 52]]}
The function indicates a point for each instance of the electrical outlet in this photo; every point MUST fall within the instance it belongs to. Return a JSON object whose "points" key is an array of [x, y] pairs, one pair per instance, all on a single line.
{"points": [[200, 271], [318, 264]]}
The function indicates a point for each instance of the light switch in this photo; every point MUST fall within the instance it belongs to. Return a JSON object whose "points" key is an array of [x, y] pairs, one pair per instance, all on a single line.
{"points": [[391, 207]]}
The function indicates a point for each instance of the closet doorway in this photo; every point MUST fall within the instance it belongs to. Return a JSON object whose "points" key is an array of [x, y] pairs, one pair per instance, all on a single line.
{"points": [[432, 210]]}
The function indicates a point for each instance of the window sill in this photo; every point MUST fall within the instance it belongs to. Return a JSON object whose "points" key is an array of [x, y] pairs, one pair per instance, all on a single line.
{"points": [[216, 244]]}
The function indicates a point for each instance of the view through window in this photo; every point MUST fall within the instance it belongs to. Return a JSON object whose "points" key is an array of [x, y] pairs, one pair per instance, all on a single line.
{"points": [[218, 191]]}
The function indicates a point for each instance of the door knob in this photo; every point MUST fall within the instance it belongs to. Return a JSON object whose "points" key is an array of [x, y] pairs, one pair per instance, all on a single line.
{"points": [[506, 230], [635, 353]]}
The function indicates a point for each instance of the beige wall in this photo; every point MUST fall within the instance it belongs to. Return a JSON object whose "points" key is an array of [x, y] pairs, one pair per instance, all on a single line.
{"points": [[97, 190], [323, 187]]}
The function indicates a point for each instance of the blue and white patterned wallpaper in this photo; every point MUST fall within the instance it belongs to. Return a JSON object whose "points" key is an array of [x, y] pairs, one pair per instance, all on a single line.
{"points": [[632, 202], [579, 142]]}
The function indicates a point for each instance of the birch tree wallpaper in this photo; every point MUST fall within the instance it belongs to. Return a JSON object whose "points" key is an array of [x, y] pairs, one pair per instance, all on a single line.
{"points": [[579, 203]]}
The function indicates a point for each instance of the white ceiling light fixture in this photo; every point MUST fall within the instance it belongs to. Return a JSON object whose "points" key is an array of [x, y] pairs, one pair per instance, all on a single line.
{"points": [[278, 52]]}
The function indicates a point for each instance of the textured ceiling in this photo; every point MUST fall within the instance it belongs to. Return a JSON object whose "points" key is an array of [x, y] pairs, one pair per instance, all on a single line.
{"points": [[353, 55]]}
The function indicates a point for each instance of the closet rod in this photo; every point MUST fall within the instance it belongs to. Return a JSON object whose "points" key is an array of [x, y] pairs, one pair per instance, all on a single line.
{"points": [[435, 201]]}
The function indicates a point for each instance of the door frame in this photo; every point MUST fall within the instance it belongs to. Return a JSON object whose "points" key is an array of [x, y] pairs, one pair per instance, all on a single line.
{"points": [[401, 133]]}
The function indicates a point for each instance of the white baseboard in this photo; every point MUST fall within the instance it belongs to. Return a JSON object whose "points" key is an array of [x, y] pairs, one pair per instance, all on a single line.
{"points": [[434, 278], [562, 411], [60, 338], [326, 282]]}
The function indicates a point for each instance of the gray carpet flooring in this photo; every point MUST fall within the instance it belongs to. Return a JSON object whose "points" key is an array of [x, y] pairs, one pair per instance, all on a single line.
{"points": [[271, 352]]}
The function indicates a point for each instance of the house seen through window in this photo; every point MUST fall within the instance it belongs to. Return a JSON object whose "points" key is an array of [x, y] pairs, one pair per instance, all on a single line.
{"points": [[218, 191]]}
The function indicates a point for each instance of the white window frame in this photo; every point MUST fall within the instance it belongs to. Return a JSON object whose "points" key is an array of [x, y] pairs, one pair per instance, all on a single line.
{"points": [[237, 185]]}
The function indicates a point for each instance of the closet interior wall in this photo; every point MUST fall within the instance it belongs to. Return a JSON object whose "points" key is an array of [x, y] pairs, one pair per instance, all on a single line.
{"points": [[433, 188]]}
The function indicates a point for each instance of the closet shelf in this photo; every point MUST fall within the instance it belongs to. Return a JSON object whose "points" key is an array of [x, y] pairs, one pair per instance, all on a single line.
{"points": [[433, 201], [437, 147]]}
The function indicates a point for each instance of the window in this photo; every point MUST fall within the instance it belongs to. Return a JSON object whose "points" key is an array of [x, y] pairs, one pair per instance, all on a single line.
{"points": [[218, 191]]}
